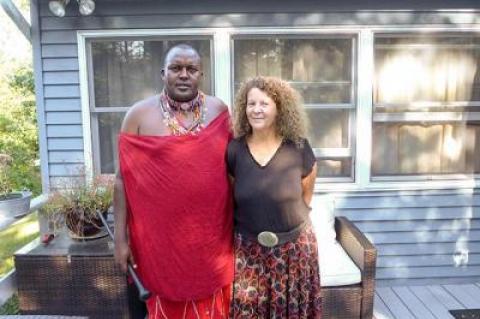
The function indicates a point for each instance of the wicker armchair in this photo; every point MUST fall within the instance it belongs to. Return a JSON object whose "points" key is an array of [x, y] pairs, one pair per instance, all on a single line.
{"points": [[352, 301]]}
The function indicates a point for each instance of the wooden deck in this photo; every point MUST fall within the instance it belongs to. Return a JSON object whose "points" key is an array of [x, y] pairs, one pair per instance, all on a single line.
{"points": [[425, 302]]}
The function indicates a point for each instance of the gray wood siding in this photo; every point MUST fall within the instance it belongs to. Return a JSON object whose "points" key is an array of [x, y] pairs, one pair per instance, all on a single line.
{"points": [[421, 238], [418, 234]]}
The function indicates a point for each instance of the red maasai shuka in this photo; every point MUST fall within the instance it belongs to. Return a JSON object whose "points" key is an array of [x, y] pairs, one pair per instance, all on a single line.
{"points": [[180, 210]]}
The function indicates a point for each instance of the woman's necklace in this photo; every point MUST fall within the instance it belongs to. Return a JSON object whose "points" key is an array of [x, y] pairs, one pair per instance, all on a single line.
{"points": [[173, 109]]}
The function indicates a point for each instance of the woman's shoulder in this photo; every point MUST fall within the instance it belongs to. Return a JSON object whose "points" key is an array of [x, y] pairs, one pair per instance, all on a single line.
{"points": [[234, 146], [236, 141], [299, 144]]}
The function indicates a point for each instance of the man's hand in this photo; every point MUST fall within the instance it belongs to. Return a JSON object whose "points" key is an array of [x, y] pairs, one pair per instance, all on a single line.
{"points": [[123, 255]]}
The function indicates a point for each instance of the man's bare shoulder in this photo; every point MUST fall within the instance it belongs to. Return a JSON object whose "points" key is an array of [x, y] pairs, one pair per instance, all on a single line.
{"points": [[140, 111], [216, 105]]}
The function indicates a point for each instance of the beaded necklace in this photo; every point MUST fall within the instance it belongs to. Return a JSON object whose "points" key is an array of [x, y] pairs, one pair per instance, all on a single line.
{"points": [[171, 110]]}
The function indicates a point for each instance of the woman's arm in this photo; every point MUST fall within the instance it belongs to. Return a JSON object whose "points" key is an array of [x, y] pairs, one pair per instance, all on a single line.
{"points": [[308, 183]]}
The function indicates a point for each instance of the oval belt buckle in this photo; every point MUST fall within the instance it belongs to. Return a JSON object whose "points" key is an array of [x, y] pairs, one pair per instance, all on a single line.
{"points": [[267, 239]]}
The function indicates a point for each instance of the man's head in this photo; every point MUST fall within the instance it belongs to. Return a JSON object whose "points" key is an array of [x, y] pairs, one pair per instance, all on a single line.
{"points": [[182, 72]]}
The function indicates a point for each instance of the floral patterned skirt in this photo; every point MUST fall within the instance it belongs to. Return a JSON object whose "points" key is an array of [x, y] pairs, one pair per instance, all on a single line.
{"points": [[278, 282]]}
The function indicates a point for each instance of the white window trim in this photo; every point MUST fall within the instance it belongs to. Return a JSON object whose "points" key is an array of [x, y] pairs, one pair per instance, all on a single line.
{"points": [[427, 117], [364, 115], [363, 156]]}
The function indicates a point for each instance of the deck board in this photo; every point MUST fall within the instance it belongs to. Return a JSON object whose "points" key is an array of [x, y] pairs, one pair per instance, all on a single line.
{"points": [[424, 302], [394, 303], [380, 311], [413, 303], [430, 301], [474, 292], [444, 297], [461, 293]]}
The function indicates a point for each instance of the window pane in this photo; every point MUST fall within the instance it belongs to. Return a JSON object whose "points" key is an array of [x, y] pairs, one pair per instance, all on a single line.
{"points": [[334, 168], [321, 69], [109, 125], [427, 72], [409, 149], [328, 128], [126, 71]]}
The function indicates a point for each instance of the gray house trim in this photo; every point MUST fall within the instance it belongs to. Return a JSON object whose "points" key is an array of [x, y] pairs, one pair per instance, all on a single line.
{"points": [[39, 87], [313, 19], [17, 18]]}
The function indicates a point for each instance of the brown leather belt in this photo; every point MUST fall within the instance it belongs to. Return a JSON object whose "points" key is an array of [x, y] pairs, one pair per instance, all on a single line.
{"points": [[272, 239]]}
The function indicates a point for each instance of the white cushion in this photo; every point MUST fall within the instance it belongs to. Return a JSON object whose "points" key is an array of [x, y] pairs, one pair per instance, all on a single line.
{"points": [[323, 218], [336, 267]]}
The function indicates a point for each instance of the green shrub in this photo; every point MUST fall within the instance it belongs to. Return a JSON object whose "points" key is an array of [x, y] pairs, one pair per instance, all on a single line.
{"points": [[10, 307], [18, 129]]}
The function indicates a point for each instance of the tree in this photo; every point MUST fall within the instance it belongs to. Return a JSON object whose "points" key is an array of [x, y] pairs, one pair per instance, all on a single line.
{"points": [[18, 127]]}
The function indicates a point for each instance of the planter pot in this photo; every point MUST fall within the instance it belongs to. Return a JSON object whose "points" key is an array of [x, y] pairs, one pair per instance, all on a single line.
{"points": [[17, 204], [81, 228]]}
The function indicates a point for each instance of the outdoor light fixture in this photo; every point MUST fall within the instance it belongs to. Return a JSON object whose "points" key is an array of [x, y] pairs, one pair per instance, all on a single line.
{"points": [[57, 7], [86, 7]]}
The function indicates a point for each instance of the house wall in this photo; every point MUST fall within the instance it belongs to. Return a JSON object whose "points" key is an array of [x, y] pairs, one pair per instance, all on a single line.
{"points": [[419, 234]]}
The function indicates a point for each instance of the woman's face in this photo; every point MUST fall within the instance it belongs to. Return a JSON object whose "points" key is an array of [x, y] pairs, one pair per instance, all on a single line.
{"points": [[261, 111]]}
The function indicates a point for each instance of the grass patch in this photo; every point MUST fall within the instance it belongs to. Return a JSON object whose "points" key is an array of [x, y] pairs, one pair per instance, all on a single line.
{"points": [[15, 237], [10, 307]]}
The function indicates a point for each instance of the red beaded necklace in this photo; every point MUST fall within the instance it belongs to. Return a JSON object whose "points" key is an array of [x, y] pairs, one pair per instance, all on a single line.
{"points": [[171, 110]]}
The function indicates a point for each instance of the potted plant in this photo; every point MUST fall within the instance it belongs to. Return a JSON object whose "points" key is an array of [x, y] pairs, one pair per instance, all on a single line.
{"points": [[77, 208], [12, 203]]}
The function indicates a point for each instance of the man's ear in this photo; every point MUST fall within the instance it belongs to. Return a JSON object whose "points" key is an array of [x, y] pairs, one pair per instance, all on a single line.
{"points": [[162, 73]]}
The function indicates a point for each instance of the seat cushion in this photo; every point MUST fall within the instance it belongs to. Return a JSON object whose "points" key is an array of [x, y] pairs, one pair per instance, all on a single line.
{"points": [[336, 267], [323, 218]]}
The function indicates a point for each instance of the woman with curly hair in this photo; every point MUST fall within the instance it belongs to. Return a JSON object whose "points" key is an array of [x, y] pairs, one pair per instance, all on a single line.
{"points": [[273, 170]]}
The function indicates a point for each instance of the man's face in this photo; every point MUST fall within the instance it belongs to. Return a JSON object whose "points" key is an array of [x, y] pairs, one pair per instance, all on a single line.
{"points": [[182, 74]]}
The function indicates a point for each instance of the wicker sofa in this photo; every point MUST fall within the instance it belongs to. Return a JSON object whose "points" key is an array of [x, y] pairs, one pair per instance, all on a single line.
{"points": [[71, 278], [352, 301]]}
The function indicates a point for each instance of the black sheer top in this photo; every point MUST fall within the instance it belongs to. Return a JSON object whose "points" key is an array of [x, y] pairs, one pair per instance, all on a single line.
{"points": [[269, 197]]}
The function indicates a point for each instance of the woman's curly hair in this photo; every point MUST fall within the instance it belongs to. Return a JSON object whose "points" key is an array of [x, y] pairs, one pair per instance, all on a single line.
{"points": [[291, 120]]}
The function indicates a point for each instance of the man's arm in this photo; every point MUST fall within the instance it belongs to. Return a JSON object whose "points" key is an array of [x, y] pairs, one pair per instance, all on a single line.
{"points": [[122, 249]]}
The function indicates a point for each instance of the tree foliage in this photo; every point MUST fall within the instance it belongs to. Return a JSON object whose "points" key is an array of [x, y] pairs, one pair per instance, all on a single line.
{"points": [[18, 127]]}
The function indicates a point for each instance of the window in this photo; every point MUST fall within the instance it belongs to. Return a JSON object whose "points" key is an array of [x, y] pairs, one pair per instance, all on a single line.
{"points": [[321, 68], [413, 95], [426, 112], [124, 71]]}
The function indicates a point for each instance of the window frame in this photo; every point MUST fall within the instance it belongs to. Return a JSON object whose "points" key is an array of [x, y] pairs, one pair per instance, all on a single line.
{"points": [[90, 111], [363, 116], [412, 117]]}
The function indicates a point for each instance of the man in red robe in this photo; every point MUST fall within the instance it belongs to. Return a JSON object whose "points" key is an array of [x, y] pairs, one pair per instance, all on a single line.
{"points": [[172, 202]]}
